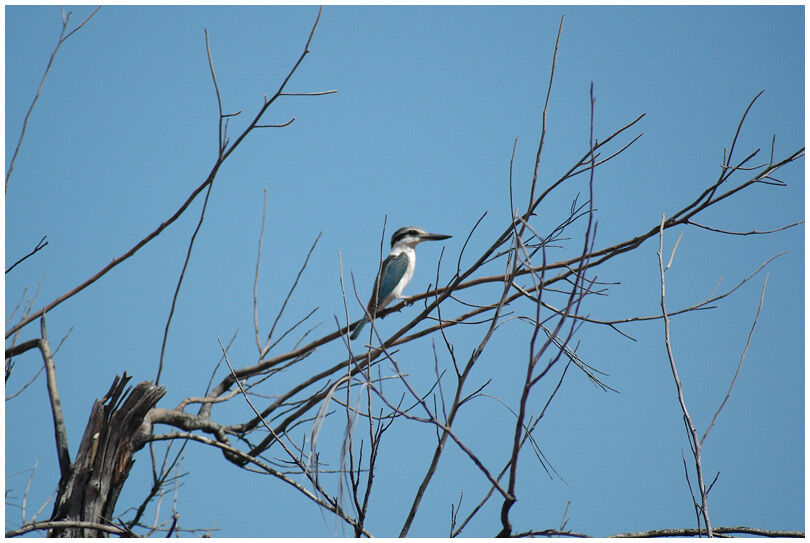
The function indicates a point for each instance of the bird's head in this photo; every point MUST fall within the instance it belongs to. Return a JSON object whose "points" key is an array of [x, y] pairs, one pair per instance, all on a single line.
{"points": [[413, 235]]}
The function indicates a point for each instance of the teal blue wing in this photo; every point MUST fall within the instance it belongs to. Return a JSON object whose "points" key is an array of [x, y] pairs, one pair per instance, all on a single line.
{"points": [[391, 271]]}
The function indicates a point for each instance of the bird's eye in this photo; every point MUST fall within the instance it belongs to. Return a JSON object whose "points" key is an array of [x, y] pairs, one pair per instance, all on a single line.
{"points": [[413, 232]]}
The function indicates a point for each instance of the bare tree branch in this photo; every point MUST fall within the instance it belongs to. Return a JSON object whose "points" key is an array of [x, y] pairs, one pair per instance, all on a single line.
{"points": [[330, 504], [749, 233], [39, 246], [545, 111], [725, 530], [60, 433], [695, 444], [454, 408], [542, 283], [50, 525], [739, 366], [180, 281], [204, 185], [62, 38], [256, 276]]}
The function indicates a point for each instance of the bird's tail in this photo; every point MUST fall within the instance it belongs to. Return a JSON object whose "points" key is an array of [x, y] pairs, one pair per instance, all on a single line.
{"points": [[359, 327]]}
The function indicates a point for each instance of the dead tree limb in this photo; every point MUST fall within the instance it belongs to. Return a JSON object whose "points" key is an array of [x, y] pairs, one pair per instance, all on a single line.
{"points": [[90, 489]]}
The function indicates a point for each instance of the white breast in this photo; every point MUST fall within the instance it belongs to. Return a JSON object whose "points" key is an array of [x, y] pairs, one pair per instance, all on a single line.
{"points": [[397, 292]]}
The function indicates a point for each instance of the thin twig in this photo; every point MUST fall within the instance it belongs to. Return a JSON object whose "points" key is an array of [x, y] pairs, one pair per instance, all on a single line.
{"points": [[739, 365], [320, 93], [220, 118], [545, 110], [62, 38], [30, 382], [690, 425], [267, 345], [749, 233], [256, 276], [39, 246], [180, 282]]}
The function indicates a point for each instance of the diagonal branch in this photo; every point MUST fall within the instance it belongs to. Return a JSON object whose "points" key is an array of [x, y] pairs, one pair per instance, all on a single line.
{"points": [[739, 366], [62, 38], [165, 224], [39, 246], [749, 233], [60, 432], [331, 504], [180, 281]]}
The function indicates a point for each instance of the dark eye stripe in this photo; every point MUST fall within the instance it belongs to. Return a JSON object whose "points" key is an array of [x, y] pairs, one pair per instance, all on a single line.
{"points": [[403, 232]]}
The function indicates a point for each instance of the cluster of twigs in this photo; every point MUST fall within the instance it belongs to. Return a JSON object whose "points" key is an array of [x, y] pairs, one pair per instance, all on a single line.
{"points": [[553, 292]]}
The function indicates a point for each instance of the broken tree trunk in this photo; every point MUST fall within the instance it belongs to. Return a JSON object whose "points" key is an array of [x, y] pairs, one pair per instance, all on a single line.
{"points": [[88, 492]]}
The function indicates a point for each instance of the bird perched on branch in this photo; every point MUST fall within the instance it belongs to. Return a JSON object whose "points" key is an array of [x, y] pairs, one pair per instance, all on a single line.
{"points": [[396, 270]]}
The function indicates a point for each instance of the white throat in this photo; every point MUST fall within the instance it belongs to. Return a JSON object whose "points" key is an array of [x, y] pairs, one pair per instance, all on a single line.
{"points": [[403, 246]]}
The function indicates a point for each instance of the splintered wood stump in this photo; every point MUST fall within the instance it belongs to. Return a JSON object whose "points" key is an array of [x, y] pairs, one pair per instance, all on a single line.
{"points": [[89, 490]]}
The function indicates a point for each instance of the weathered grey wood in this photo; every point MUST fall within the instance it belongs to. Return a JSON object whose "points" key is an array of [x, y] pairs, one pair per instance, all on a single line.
{"points": [[104, 458]]}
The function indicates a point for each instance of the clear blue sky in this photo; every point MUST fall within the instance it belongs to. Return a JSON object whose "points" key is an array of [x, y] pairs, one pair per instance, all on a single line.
{"points": [[430, 101]]}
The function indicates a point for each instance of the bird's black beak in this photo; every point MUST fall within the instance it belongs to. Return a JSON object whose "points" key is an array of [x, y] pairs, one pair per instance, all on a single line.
{"points": [[434, 237]]}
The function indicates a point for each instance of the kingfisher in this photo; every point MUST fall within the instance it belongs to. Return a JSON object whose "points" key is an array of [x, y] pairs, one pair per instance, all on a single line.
{"points": [[396, 270]]}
